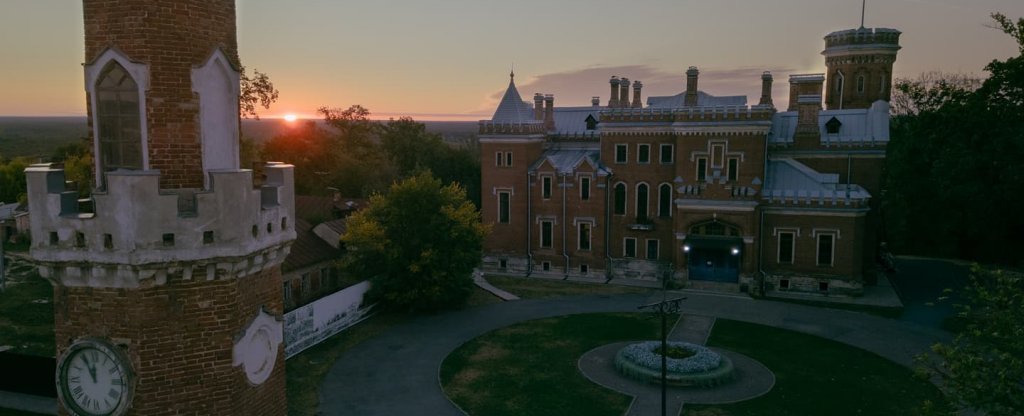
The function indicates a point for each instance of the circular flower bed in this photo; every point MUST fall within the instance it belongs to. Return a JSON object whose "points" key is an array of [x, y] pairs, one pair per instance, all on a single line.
{"points": [[704, 368]]}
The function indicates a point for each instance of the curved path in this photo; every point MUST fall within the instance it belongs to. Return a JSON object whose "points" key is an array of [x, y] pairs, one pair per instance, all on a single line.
{"points": [[396, 373]]}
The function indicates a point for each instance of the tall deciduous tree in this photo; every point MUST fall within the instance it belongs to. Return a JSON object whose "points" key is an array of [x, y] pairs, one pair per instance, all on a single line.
{"points": [[419, 243], [256, 90], [955, 166], [983, 367]]}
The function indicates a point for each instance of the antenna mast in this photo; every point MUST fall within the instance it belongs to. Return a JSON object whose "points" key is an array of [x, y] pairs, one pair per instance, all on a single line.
{"points": [[863, 5]]}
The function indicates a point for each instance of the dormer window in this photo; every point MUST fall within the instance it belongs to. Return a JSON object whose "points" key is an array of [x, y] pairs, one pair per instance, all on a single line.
{"points": [[832, 126], [591, 122], [117, 114]]}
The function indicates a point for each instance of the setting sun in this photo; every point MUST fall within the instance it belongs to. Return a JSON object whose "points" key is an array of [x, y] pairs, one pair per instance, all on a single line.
{"points": [[289, 117]]}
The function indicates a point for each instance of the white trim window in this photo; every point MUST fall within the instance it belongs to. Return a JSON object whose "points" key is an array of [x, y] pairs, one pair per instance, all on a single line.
{"points": [[499, 159], [545, 186], [547, 233], [665, 200], [619, 199], [786, 247], [666, 154], [826, 253], [584, 234], [629, 247], [643, 200], [124, 135], [621, 153], [504, 207], [653, 248], [584, 188], [643, 154]]}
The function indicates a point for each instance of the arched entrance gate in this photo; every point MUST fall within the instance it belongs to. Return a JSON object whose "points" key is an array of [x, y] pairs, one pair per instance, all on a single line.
{"points": [[713, 252]]}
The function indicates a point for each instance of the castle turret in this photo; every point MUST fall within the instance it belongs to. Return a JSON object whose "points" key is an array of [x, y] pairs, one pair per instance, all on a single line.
{"points": [[168, 277], [859, 63]]}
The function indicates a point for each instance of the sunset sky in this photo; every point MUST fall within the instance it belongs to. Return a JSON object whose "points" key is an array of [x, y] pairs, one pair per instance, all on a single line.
{"points": [[450, 59]]}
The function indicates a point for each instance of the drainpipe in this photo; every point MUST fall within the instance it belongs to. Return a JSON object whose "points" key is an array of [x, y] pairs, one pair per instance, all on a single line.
{"points": [[608, 227], [760, 228], [565, 253], [529, 229]]}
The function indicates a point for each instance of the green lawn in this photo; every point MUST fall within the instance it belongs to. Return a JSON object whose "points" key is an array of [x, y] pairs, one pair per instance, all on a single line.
{"points": [[26, 315], [530, 368], [818, 376]]}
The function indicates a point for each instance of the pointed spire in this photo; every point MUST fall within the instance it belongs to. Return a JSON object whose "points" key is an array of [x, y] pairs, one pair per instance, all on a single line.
{"points": [[863, 7], [512, 108]]}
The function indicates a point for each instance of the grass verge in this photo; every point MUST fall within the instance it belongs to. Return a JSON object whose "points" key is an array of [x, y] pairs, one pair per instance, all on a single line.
{"points": [[817, 376], [26, 315], [881, 311], [531, 368], [537, 288]]}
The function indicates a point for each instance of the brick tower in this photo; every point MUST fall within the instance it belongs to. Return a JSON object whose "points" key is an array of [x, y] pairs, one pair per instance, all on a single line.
{"points": [[167, 282], [859, 63]]}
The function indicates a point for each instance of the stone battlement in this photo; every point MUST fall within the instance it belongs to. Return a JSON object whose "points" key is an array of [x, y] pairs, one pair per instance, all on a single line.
{"points": [[856, 197], [139, 231], [490, 127], [863, 36], [689, 114]]}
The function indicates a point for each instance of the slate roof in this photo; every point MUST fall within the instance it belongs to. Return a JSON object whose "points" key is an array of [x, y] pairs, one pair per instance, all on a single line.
{"points": [[703, 100], [566, 160], [573, 120], [308, 249], [512, 108], [859, 126], [789, 178]]}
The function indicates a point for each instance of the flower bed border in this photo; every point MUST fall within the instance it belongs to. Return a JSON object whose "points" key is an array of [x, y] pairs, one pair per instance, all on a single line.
{"points": [[713, 377]]}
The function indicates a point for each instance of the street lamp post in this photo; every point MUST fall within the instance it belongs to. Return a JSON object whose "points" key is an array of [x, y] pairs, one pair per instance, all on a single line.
{"points": [[664, 308]]}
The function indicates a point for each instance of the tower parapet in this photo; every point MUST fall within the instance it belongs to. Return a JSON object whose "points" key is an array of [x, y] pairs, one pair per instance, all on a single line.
{"points": [[140, 235], [859, 63]]}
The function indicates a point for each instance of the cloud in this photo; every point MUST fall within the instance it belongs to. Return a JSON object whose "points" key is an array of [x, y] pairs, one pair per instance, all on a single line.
{"points": [[576, 87]]}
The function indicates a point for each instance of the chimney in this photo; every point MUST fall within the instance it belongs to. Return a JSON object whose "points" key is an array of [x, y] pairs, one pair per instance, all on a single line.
{"points": [[538, 106], [691, 87], [549, 112], [614, 101], [804, 84], [624, 92], [766, 88], [637, 103], [807, 89], [595, 101]]}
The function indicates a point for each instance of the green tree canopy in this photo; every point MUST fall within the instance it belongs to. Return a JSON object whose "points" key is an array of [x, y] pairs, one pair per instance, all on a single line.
{"points": [[418, 243], [955, 165], [983, 368]]}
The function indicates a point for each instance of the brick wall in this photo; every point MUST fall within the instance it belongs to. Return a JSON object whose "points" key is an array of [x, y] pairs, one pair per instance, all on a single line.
{"points": [[506, 238], [179, 337], [847, 246], [171, 36]]}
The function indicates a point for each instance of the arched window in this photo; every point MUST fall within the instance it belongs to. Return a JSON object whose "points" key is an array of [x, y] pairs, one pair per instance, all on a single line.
{"points": [[839, 83], [860, 84], [715, 228], [642, 192], [620, 199], [665, 200], [117, 115]]}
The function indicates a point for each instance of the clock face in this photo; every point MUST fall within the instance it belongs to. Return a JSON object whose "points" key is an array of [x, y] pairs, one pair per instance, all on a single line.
{"points": [[93, 379]]}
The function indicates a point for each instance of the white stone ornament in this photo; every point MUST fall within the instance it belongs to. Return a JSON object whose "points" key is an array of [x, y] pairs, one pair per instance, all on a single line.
{"points": [[256, 349], [94, 378]]}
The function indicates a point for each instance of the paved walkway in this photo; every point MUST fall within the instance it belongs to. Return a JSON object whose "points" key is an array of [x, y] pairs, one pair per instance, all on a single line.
{"points": [[396, 373]]}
